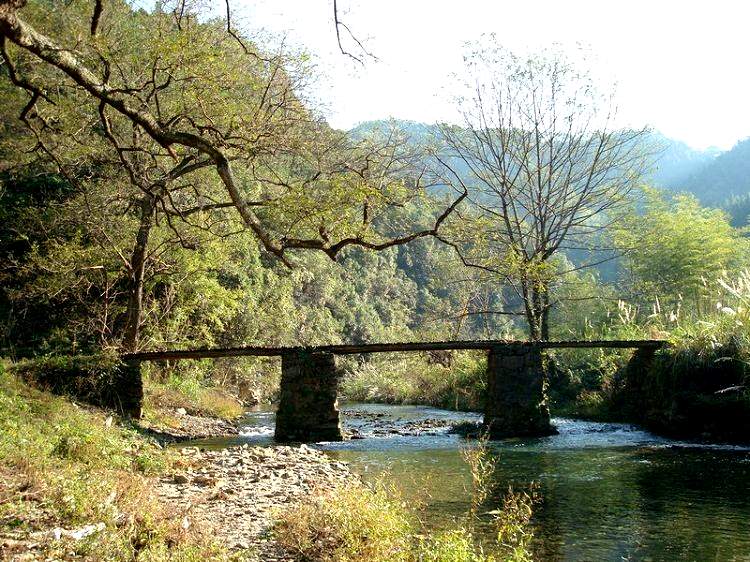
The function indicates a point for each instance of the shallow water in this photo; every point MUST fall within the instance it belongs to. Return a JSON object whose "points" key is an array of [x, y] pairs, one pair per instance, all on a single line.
{"points": [[608, 491]]}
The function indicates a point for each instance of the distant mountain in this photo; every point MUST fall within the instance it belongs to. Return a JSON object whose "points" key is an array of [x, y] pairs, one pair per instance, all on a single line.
{"points": [[724, 177], [713, 176], [675, 161]]}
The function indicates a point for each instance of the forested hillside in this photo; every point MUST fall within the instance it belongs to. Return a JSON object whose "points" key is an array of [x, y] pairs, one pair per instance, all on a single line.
{"points": [[711, 175], [674, 162]]}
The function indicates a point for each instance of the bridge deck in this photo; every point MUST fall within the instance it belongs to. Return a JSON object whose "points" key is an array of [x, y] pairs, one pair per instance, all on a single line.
{"points": [[349, 349]]}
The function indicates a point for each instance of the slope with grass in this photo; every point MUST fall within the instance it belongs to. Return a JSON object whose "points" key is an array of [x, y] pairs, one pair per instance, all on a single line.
{"points": [[66, 467]]}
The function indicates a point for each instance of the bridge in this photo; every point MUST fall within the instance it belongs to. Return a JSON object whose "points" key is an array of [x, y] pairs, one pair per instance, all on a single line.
{"points": [[515, 400]]}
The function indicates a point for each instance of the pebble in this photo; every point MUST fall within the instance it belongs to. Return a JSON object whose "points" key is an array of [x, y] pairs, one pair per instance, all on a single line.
{"points": [[236, 491], [180, 479]]}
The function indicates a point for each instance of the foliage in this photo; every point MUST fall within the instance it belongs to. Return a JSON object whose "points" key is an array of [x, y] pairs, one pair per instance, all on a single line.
{"points": [[371, 524], [738, 209], [696, 387], [481, 465], [679, 250], [537, 188], [194, 397], [513, 525], [456, 545], [347, 524], [413, 379], [101, 380]]}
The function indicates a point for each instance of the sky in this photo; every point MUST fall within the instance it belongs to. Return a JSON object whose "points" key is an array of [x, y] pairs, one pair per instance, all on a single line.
{"points": [[680, 67]]}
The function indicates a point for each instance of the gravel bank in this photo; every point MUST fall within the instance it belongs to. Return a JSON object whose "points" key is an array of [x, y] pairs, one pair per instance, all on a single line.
{"points": [[236, 491], [187, 426]]}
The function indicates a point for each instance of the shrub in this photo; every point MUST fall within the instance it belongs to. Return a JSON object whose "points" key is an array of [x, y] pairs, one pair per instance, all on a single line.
{"points": [[191, 395], [347, 524], [412, 379], [101, 380], [63, 465], [371, 525], [451, 546], [692, 390]]}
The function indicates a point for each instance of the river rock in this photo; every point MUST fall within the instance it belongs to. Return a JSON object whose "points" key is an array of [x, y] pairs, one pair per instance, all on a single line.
{"points": [[246, 486], [180, 478]]}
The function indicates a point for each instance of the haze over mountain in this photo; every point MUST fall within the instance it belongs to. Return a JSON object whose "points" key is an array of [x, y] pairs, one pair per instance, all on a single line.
{"points": [[716, 178], [721, 178]]}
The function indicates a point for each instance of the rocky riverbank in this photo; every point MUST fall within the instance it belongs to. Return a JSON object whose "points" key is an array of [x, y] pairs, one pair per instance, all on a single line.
{"points": [[236, 491], [177, 425], [361, 425]]}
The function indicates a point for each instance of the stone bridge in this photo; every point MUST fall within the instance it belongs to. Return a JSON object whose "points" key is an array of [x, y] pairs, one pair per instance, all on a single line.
{"points": [[515, 401]]}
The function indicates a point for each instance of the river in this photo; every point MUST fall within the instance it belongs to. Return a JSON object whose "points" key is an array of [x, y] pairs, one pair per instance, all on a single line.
{"points": [[607, 491]]}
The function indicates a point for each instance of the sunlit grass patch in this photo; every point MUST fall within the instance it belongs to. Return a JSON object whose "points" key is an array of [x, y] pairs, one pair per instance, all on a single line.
{"points": [[409, 378], [67, 466], [163, 398], [347, 524]]}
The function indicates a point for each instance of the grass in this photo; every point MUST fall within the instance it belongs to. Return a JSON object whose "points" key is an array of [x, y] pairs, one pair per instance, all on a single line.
{"points": [[162, 397], [410, 378], [370, 524], [347, 524], [64, 465], [697, 387]]}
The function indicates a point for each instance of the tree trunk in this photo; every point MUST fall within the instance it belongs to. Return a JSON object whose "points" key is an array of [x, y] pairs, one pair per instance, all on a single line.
{"points": [[544, 331], [137, 270], [536, 297], [528, 308]]}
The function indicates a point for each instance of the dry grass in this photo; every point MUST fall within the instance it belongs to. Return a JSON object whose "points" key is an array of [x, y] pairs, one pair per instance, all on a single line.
{"points": [[62, 465], [372, 524], [193, 397], [347, 524]]}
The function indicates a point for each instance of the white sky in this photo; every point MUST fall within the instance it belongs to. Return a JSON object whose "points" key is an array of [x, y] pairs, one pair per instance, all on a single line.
{"points": [[681, 66]]}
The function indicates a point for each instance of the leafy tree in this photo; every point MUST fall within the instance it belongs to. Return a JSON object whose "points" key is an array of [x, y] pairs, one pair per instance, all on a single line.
{"points": [[112, 102], [678, 250], [738, 209]]}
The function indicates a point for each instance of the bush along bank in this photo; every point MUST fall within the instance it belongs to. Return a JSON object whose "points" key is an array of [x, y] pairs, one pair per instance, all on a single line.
{"points": [[691, 391], [100, 380], [454, 381], [76, 484], [79, 483], [373, 523]]}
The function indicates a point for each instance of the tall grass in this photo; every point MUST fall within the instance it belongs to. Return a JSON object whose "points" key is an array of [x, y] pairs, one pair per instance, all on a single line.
{"points": [[193, 396], [699, 385]]}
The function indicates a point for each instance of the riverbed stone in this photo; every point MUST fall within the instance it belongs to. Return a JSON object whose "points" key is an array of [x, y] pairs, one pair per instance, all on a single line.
{"points": [[516, 398]]}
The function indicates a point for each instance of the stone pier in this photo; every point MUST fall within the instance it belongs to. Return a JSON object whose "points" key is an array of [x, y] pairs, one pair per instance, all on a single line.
{"points": [[516, 397], [130, 390], [308, 405]]}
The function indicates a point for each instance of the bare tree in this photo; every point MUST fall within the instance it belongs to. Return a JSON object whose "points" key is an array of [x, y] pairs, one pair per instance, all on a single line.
{"points": [[546, 169]]}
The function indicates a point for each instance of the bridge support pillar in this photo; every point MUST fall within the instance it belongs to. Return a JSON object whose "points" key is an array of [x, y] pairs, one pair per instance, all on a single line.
{"points": [[636, 384], [130, 397], [308, 404], [516, 397]]}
